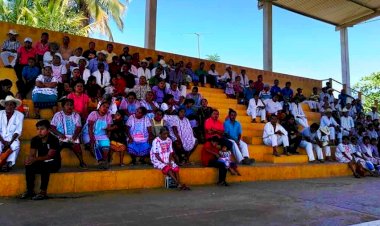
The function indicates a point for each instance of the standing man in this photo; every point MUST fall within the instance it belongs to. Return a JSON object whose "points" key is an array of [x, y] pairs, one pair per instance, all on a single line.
{"points": [[9, 49], [233, 131], [44, 158]]}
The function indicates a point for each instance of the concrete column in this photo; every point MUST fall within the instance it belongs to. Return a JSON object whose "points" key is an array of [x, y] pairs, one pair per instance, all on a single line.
{"points": [[345, 59], [150, 24], [267, 39]]}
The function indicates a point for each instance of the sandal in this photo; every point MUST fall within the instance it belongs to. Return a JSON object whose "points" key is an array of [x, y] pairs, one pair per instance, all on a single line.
{"points": [[27, 195], [83, 166], [183, 187]]}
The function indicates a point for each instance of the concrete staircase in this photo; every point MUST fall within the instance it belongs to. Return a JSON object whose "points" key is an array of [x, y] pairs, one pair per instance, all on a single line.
{"points": [[71, 179]]}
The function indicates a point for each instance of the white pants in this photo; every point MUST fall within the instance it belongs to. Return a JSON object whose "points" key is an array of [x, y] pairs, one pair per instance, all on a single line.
{"points": [[15, 146], [312, 104], [259, 112], [302, 122], [318, 149], [276, 140], [240, 151], [182, 88], [309, 150], [333, 134], [4, 58]]}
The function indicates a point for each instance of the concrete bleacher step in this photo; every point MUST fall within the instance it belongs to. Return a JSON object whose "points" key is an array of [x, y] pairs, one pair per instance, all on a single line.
{"points": [[92, 180], [286, 159]]}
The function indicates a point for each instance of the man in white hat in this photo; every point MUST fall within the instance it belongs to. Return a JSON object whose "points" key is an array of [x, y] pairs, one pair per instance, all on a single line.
{"points": [[101, 57], [328, 121], [9, 49], [346, 122], [11, 122], [318, 137], [162, 65], [143, 70]]}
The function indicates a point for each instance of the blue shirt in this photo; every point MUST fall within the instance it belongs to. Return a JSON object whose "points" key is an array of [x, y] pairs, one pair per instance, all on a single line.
{"points": [[248, 93], [287, 92], [275, 90], [30, 73], [93, 65], [232, 129]]}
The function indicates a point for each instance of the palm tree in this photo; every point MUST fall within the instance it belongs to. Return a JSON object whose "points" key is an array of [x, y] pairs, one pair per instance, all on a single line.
{"points": [[213, 57], [98, 13]]}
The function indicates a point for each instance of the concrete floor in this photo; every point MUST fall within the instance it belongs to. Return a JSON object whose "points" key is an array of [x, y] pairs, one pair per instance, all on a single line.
{"points": [[334, 201]]}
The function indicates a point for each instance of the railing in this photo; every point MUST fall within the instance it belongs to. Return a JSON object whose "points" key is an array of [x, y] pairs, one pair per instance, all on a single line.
{"points": [[359, 94]]}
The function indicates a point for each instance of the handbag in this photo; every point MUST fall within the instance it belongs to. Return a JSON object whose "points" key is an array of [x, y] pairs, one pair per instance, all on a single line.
{"points": [[4, 156]]}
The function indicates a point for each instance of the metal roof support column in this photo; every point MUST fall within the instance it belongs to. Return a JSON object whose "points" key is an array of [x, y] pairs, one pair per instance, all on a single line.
{"points": [[345, 58], [150, 24], [267, 39]]}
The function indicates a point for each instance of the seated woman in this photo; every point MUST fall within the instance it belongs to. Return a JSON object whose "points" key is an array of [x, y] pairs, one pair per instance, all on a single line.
{"points": [[95, 133], [11, 122], [343, 154], [203, 113], [142, 88], [158, 122], [59, 73], [184, 140], [150, 105], [169, 106], [162, 158], [256, 107], [81, 100], [45, 93], [159, 91], [66, 125], [130, 105], [197, 97], [190, 113], [94, 92], [210, 156], [139, 132]]}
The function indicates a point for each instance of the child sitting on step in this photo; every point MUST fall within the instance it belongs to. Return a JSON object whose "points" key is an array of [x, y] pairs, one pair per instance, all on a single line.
{"points": [[118, 136], [229, 89], [225, 158]]}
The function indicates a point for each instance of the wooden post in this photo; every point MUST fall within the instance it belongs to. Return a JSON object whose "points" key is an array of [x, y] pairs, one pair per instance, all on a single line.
{"points": [[359, 95]]}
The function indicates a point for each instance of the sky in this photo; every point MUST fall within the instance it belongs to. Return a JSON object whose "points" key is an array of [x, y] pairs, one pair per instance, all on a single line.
{"points": [[234, 30]]}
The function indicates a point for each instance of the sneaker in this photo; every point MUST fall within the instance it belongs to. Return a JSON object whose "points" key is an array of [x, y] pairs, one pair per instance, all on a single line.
{"points": [[27, 195], [40, 196]]}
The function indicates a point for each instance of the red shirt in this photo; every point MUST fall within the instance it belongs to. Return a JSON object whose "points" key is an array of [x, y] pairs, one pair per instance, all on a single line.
{"points": [[216, 125], [80, 104], [206, 156], [258, 86], [120, 86], [41, 49], [25, 54]]}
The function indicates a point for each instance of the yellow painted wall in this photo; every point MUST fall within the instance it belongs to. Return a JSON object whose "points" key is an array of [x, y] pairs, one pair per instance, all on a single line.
{"points": [[77, 41]]}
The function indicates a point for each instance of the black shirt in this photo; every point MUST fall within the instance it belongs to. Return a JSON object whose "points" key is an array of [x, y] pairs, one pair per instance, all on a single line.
{"points": [[43, 148], [87, 53]]}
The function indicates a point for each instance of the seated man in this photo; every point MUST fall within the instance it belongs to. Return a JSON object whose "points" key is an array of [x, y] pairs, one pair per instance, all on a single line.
{"points": [[347, 123], [272, 106], [10, 130], [334, 127], [297, 111], [256, 107], [44, 158], [66, 125], [233, 132], [275, 135], [103, 78], [9, 49], [311, 138]]}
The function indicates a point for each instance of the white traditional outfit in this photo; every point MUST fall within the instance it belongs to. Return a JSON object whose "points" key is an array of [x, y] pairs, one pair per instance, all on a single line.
{"points": [[7, 129], [299, 115], [163, 148], [272, 107], [102, 79], [272, 139], [308, 146], [331, 123], [340, 150], [347, 124], [254, 109]]}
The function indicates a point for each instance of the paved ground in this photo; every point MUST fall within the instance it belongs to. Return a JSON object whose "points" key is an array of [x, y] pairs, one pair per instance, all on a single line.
{"points": [[341, 201]]}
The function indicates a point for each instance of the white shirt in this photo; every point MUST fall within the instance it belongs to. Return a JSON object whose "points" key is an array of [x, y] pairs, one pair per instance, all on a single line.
{"points": [[296, 110], [214, 73], [374, 115], [48, 58], [252, 106], [162, 75], [227, 76], [272, 107], [142, 72], [106, 78], [14, 125], [270, 130], [244, 81], [325, 121], [86, 74], [347, 123]]}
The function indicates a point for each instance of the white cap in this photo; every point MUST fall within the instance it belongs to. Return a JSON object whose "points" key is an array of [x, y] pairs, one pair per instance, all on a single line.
{"points": [[28, 40]]}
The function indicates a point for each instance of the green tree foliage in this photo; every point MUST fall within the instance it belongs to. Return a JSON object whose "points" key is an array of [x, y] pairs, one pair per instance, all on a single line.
{"points": [[213, 57], [370, 88], [79, 17]]}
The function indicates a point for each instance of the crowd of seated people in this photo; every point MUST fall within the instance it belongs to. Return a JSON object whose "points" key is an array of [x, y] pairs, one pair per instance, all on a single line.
{"points": [[124, 104]]}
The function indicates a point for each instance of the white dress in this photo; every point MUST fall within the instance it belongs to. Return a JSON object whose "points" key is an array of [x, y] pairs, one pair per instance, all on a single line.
{"points": [[163, 148]]}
